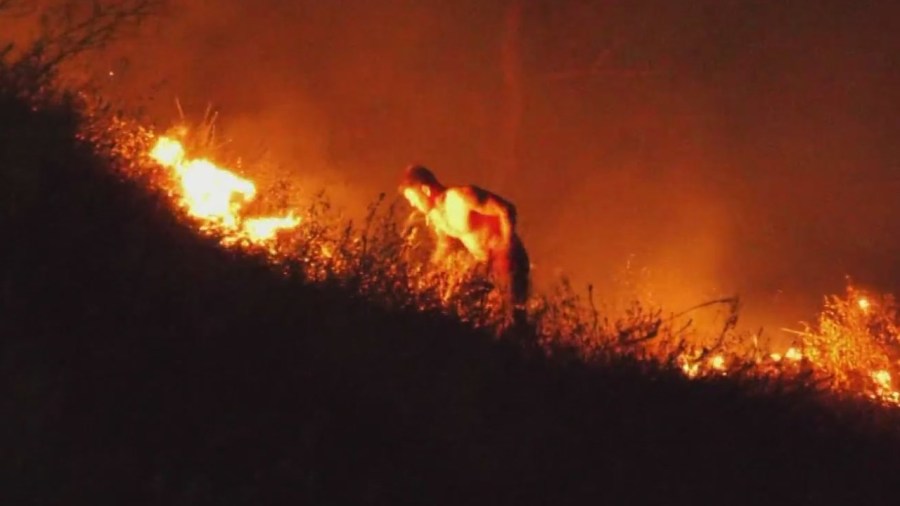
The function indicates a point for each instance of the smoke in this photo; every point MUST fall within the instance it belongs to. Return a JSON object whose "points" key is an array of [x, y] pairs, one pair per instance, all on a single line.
{"points": [[670, 151]]}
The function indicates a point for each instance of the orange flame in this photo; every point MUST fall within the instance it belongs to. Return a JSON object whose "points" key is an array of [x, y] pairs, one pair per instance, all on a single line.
{"points": [[217, 196], [884, 387], [793, 354], [863, 304], [264, 229]]}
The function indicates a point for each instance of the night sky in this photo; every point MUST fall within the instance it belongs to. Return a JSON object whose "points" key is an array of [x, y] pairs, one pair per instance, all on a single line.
{"points": [[716, 146]]}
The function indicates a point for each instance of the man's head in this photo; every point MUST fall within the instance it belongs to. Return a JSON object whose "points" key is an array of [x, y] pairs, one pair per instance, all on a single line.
{"points": [[420, 187]]}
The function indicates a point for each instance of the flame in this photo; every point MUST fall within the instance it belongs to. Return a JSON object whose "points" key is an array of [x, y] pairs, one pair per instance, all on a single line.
{"points": [[793, 354], [863, 304], [850, 346], [264, 229], [884, 387], [167, 152], [690, 369], [214, 194], [689, 364], [217, 196], [883, 379]]}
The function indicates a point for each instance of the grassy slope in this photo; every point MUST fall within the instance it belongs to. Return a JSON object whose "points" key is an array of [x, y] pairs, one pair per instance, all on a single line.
{"points": [[141, 364]]}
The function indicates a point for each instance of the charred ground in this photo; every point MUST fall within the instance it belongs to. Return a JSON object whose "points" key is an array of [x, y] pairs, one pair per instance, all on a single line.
{"points": [[143, 364]]}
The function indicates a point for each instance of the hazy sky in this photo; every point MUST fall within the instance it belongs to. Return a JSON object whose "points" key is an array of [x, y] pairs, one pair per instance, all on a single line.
{"points": [[718, 146]]}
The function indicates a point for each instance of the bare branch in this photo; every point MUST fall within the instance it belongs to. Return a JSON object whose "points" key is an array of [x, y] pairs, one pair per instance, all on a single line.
{"points": [[76, 26]]}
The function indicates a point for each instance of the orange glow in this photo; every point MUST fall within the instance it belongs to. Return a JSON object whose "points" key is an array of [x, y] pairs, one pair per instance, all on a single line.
{"points": [[793, 354], [884, 387], [863, 303], [217, 196], [883, 378], [264, 229], [213, 194], [167, 152], [849, 347], [691, 369], [689, 366]]}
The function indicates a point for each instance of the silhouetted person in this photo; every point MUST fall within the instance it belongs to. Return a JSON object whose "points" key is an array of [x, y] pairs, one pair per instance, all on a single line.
{"points": [[483, 222]]}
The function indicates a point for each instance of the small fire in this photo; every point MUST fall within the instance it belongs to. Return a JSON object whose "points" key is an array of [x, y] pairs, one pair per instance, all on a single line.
{"points": [[695, 367], [690, 369], [884, 386], [793, 354], [264, 229], [211, 193], [863, 304], [217, 196], [690, 364], [883, 378]]}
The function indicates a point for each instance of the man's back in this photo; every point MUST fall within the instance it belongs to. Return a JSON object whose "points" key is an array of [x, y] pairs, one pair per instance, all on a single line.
{"points": [[476, 218]]}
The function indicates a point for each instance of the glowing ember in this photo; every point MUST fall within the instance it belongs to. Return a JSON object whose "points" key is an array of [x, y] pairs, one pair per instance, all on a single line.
{"points": [[863, 303], [883, 378], [690, 369], [717, 363], [793, 354], [216, 195], [884, 386]]}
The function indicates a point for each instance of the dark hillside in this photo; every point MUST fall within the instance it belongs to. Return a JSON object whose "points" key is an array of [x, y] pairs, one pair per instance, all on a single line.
{"points": [[142, 364]]}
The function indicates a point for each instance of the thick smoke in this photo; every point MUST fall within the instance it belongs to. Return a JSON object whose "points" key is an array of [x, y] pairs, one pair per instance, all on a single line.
{"points": [[685, 149]]}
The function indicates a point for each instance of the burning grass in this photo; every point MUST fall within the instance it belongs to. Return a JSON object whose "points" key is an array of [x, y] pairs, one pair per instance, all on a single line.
{"points": [[148, 361], [853, 345], [851, 350]]}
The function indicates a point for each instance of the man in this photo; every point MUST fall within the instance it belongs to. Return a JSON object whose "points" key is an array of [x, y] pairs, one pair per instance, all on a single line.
{"points": [[484, 223]]}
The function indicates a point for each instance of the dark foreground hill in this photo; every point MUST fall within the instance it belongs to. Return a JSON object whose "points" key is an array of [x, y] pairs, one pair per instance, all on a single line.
{"points": [[142, 364]]}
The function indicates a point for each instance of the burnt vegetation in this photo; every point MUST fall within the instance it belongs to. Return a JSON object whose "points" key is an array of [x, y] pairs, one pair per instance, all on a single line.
{"points": [[142, 363]]}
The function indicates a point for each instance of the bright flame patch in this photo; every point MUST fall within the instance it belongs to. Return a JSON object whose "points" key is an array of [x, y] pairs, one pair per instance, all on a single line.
{"points": [[217, 196], [264, 229]]}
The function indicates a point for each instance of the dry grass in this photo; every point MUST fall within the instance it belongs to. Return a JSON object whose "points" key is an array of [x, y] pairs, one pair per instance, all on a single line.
{"points": [[386, 259]]}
